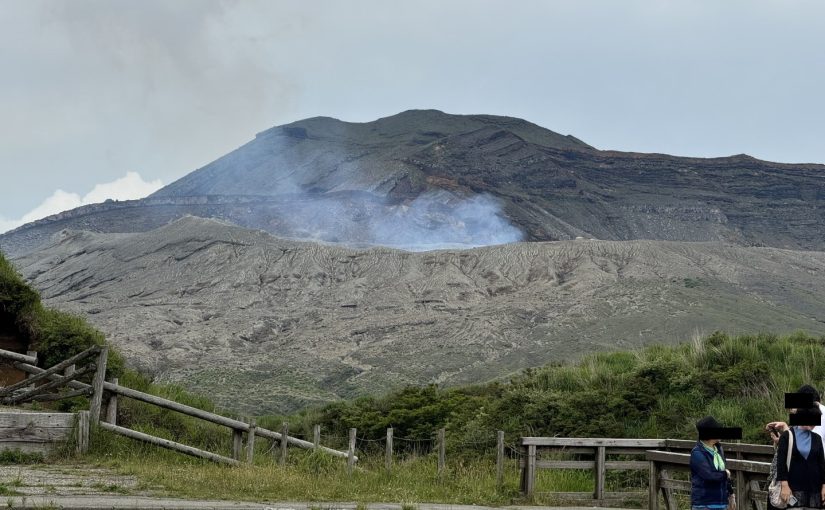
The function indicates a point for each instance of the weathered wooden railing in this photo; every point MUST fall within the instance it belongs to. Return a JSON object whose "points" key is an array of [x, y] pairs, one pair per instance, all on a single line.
{"points": [[601, 448], [99, 386], [748, 475], [31, 432]]}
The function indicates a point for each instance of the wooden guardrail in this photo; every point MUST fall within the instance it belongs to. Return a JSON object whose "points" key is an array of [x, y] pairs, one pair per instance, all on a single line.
{"points": [[748, 475], [600, 448], [53, 379], [35, 432]]}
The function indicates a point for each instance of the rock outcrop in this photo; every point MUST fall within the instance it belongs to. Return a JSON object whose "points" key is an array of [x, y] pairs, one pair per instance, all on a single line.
{"points": [[263, 324]]}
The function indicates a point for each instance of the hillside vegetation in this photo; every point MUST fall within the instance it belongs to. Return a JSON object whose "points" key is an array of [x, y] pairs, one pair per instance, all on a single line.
{"points": [[657, 392]]}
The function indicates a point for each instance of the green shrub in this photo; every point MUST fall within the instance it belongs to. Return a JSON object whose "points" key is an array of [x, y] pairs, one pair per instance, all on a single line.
{"points": [[19, 457], [53, 334], [659, 391]]}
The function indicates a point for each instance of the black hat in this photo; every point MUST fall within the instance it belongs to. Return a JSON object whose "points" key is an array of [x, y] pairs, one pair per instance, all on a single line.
{"points": [[807, 388], [709, 428], [708, 422]]}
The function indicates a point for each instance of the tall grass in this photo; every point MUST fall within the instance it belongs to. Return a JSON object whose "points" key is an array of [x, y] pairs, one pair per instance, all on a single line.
{"points": [[313, 476]]}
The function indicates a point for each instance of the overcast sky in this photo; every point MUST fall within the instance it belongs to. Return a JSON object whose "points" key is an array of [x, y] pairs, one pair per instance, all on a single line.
{"points": [[113, 99]]}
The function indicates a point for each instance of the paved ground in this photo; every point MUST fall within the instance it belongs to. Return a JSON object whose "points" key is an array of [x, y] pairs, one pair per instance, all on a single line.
{"points": [[148, 503], [64, 480]]}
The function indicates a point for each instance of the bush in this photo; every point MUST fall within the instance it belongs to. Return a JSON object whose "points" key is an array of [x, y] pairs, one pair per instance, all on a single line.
{"points": [[659, 391], [53, 334]]}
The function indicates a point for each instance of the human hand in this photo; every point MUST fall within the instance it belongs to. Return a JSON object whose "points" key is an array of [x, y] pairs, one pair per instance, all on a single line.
{"points": [[785, 493], [822, 493], [732, 501], [780, 426]]}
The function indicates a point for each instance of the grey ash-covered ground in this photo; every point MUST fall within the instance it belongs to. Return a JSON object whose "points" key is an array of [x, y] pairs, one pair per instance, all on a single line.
{"points": [[262, 324]]}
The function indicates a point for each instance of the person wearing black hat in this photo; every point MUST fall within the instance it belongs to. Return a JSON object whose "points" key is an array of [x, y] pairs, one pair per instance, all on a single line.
{"points": [[803, 483], [709, 479]]}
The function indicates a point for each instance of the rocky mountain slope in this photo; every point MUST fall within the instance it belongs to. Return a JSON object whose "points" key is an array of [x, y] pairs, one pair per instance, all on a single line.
{"points": [[265, 324], [424, 179]]}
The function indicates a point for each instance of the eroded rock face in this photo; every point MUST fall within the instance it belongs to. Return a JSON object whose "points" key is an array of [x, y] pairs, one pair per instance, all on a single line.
{"points": [[262, 324], [266, 324], [323, 179]]}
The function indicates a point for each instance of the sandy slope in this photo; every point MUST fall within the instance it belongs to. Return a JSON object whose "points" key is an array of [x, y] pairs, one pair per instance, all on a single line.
{"points": [[265, 324]]}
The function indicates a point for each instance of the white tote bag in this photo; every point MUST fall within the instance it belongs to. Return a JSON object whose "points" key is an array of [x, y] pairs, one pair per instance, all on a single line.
{"points": [[775, 486]]}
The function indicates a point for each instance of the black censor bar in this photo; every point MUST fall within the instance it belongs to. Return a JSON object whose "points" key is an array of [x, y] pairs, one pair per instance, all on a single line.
{"points": [[799, 400], [805, 417], [729, 433]]}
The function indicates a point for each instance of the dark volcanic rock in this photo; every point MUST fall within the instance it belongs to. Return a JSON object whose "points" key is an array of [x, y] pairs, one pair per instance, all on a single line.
{"points": [[325, 179]]}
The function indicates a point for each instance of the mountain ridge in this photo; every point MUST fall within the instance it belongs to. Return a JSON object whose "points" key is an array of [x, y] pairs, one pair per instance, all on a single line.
{"points": [[348, 176], [217, 308]]}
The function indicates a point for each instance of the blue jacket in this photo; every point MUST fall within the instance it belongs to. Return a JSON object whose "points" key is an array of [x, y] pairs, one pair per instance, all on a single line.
{"points": [[709, 486]]}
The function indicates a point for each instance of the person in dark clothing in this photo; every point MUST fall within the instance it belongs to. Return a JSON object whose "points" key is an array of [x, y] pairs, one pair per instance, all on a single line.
{"points": [[803, 485], [709, 479], [776, 428]]}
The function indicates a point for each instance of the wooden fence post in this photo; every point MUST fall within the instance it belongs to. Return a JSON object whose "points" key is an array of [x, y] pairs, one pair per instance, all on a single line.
{"points": [[388, 452], [237, 443], [111, 408], [284, 442], [82, 432], [653, 489], [33, 354], [97, 386], [599, 473], [530, 471], [316, 436], [499, 458], [250, 442], [442, 448], [741, 489], [667, 492], [351, 450]]}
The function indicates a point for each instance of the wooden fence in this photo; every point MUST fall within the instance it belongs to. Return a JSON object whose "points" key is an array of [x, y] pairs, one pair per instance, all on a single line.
{"points": [[634, 456], [748, 476], [748, 462], [42, 384], [34, 432]]}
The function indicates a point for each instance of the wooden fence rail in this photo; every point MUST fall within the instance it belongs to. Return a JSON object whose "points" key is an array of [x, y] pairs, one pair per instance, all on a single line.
{"points": [[99, 386], [600, 448], [16, 356], [748, 476]]}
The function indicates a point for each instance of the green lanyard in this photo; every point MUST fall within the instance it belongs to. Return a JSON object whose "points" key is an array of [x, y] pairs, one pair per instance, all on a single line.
{"points": [[718, 461]]}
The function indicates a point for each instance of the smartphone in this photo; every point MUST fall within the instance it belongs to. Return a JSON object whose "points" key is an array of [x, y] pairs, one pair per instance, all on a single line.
{"points": [[792, 501]]}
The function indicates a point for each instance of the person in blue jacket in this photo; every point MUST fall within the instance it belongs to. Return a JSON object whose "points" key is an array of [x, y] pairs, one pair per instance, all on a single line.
{"points": [[709, 479]]}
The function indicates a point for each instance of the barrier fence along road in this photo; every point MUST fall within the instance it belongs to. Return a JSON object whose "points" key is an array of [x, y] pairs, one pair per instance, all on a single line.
{"points": [[661, 457]]}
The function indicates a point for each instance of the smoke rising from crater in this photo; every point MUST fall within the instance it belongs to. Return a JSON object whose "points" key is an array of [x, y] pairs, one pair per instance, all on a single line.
{"points": [[432, 221], [440, 220]]}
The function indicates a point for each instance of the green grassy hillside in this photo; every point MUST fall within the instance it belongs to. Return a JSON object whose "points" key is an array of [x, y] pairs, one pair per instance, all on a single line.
{"points": [[656, 392]]}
